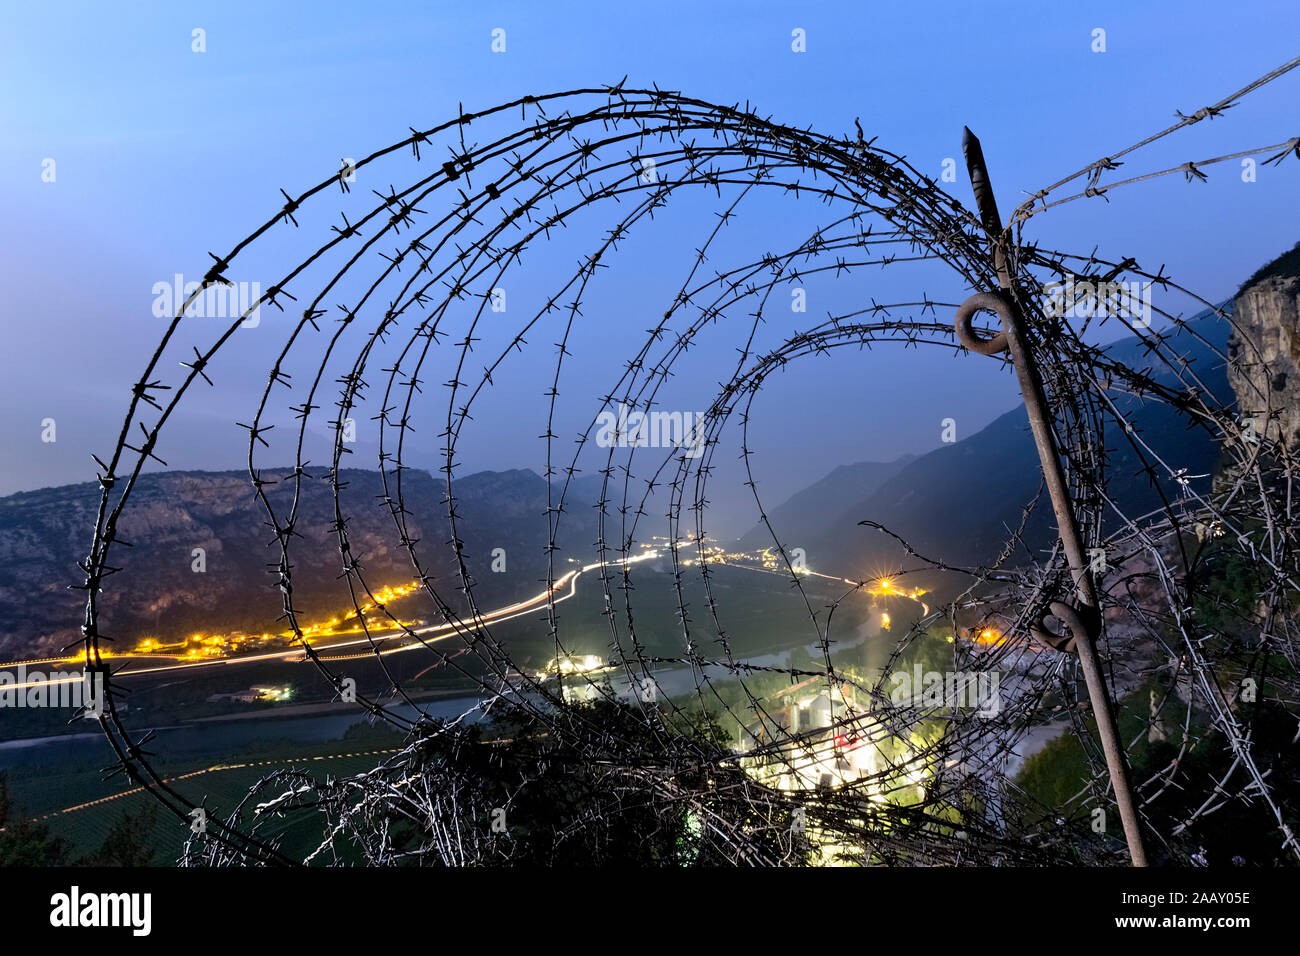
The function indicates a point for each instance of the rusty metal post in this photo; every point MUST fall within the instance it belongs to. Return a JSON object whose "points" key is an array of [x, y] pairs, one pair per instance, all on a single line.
{"points": [[1085, 625]]}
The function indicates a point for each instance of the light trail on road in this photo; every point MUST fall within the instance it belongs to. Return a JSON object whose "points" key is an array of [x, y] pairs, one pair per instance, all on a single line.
{"points": [[441, 631], [507, 613]]}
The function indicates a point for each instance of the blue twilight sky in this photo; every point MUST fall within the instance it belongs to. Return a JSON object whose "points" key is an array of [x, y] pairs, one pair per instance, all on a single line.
{"points": [[162, 154]]}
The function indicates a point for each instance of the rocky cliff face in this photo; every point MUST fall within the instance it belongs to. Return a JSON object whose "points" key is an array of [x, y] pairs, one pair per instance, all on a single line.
{"points": [[1264, 367], [159, 592]]}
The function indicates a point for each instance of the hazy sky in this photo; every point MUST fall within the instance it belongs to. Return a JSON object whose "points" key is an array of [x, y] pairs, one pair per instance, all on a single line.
{"points": [[162, 154]]}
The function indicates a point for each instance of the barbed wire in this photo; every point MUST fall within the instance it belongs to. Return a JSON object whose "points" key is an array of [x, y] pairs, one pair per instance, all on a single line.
{"points": [[882, 780], [1192, 170]]}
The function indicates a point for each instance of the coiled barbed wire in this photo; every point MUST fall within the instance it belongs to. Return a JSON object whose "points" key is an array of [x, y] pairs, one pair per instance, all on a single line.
{"points": [[936, 789]]}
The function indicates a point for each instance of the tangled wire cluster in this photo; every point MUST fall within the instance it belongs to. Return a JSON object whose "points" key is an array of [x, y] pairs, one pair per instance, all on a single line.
{"points": [[652, 777]]}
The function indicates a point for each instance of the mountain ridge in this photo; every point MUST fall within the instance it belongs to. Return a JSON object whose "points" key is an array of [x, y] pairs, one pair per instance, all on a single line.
{"points": [[44, 532], [959, 502]]}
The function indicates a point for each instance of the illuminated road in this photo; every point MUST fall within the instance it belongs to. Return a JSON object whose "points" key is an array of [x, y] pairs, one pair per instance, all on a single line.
{"points": [[214, 769], [437, 631], [884, 589]]}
